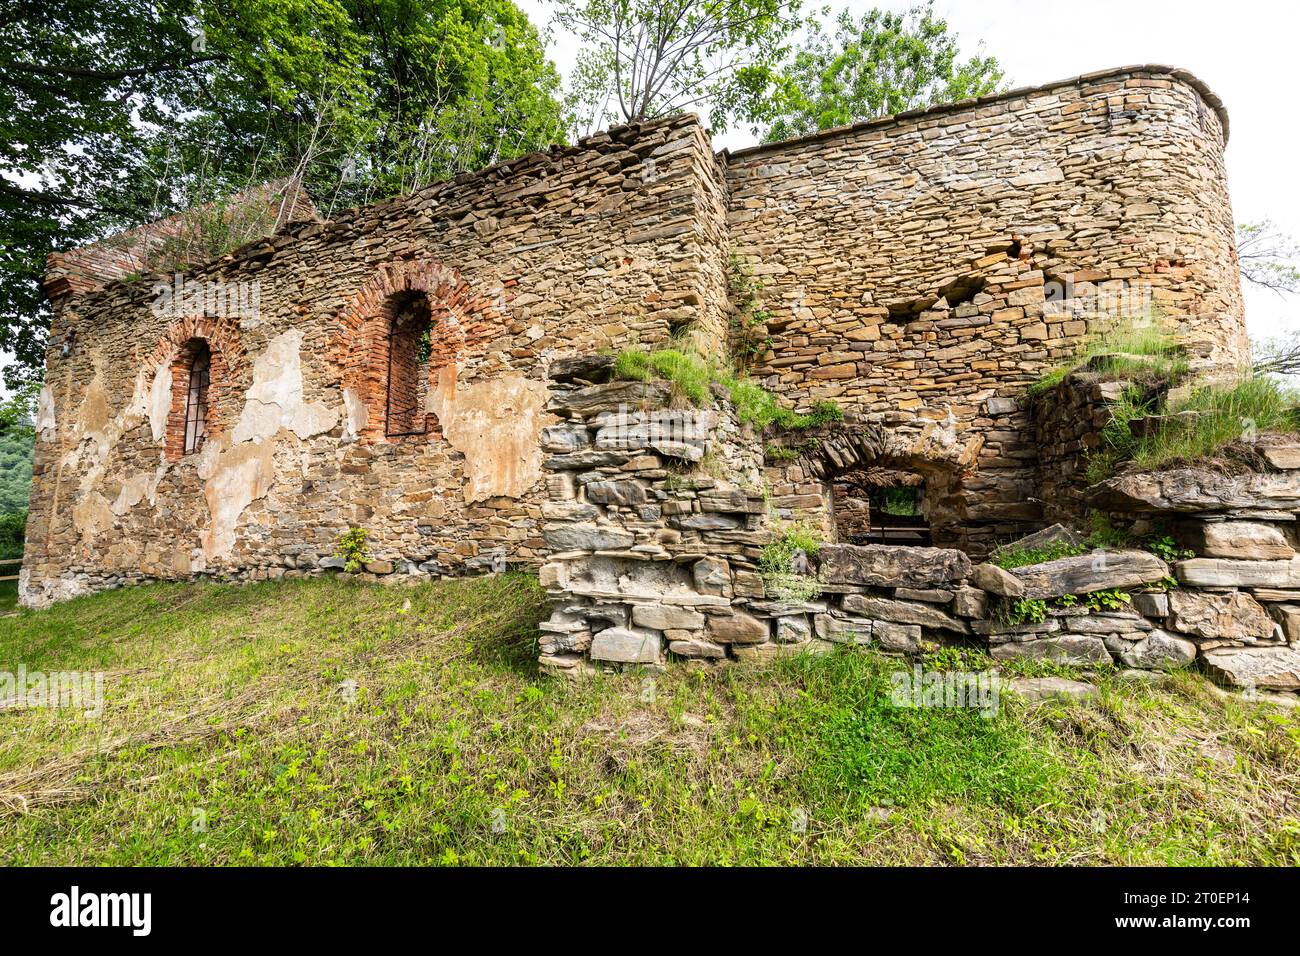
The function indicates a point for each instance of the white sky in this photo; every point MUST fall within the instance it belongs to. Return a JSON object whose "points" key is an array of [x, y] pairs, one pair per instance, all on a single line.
{"points": [[1246, 51]]}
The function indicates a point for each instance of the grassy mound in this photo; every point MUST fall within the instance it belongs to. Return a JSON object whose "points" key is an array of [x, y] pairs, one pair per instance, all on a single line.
{"points": [[332, 721]]}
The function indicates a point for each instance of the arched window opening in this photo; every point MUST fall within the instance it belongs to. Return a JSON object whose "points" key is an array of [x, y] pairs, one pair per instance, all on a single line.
{"points": [[198, 373], [882, 506], [196, 399], [409, 346]]}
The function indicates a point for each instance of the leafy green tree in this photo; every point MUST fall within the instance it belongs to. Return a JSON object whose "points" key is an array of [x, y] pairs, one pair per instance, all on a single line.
{"points": [[117, 112], [647, 58], [879, 64]]}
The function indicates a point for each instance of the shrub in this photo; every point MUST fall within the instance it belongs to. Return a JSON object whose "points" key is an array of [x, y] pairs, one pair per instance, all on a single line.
{"points": [[353, 550]]}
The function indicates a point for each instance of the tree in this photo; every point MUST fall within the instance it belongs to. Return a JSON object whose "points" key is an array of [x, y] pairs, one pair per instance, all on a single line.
{"points": [[880, 64], [648, 58], [117, 112], [1268, 257]]}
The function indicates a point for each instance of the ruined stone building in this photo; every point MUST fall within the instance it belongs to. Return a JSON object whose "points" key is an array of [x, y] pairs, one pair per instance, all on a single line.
{"points": [[411, 367]]}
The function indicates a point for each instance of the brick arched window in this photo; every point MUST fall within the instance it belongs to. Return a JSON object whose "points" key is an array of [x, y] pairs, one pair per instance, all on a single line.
{"points": [[200, 355], [399, 341], [196, 399], [196, 380], [408, 346]]}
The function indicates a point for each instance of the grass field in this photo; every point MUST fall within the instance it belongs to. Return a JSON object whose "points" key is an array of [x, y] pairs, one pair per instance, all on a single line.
{"points": [[336, 722]]}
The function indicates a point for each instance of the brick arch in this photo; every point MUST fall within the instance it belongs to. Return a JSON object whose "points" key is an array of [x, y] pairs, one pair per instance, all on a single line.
{"points": [[359, 353], [177, 349]]}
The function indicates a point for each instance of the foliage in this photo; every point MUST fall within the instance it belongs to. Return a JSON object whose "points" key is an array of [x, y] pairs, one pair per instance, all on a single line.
{"points": [[1213, 417], [1269, 259], [880, 64], [1167, 550], [1111, 599], [1026, 611], [353, 550], [747, 330], [648, 58], [120, 112], [902, 500], [784, 562], [1105, 533], [332, 721], [13, 527]]}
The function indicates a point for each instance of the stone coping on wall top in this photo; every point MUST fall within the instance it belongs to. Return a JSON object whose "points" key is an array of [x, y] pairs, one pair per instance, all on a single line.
{"points": [[1184, 76], [302, 228]]}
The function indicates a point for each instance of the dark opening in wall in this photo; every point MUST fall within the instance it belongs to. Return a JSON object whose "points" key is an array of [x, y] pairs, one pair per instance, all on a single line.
{"points": [[408, 365], [879, 506], [962, 290], [901, 313]]}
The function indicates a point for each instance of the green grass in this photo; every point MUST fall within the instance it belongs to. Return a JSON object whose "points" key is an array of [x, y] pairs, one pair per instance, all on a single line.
{"points": [[1222, 416], [1022, 557], [1135, 348], [226, 739], [689, 376]]}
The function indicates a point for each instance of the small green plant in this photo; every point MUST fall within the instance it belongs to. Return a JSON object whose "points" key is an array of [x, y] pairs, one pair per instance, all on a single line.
{"points": [[1066, 600], [1167, 550], [353, 550], [1014, 557], [779, 453], [1107, 534], [782, 563], [1112, 599], [749, 337], [1026, 611]]}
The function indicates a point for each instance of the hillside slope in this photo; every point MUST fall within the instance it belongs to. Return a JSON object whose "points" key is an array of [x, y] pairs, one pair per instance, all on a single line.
{"points": [[333, 721]]}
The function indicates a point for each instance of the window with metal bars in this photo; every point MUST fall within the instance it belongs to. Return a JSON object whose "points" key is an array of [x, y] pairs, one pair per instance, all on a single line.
{"points": [[196, 399], [408, 367]]}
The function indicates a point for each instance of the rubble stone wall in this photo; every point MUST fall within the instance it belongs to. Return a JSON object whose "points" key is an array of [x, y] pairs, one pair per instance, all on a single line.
{"points": [[931, 266], [570, 251], [912, 265]]}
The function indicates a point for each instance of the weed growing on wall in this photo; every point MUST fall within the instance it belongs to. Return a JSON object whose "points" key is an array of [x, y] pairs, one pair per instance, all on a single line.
{"points": [[785, 563], [353, 550]]}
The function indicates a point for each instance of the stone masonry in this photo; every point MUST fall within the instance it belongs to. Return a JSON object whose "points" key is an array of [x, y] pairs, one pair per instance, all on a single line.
{"points": [[435, 369]]}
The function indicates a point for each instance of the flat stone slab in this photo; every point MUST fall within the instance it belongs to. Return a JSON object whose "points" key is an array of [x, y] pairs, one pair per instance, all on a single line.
{"points": [[1227, 617], [882, 565], [1250, 540], [1066, 649], [1159, 651], [903, 612], [1237, 573], [1268, 668], [1197, 489], [1099, 571], [1037, 689]]}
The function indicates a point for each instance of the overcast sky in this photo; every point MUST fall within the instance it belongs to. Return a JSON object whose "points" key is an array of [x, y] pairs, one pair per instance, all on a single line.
{"points": [[1244, 50]]}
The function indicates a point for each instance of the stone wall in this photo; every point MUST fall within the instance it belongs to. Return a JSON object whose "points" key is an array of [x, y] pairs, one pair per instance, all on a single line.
{"points": [[569, 251], [921, 269], [931, 266]]}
